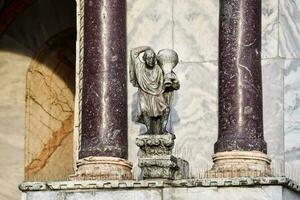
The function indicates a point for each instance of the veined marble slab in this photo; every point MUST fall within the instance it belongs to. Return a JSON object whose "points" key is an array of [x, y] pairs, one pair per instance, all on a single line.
{"points": [[270, 26], [292, 118], [292, 90], [196, 29], [292, 149], [289, 31], [272, 71], [149, 23]]}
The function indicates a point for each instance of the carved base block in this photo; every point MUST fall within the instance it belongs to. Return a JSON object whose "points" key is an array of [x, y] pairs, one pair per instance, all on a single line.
{"points": [[103, 168], [163, 167], [157, 161], [240, 164], [155, 145]]}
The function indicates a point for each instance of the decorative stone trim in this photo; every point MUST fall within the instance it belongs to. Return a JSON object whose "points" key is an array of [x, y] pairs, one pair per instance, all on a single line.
{"points": [[208, 182], [156, 145], [103, 168], [240, 164]]}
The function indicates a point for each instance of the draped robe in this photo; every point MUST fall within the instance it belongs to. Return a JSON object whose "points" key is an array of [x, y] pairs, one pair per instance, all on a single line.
{"points": [[152, 99]]}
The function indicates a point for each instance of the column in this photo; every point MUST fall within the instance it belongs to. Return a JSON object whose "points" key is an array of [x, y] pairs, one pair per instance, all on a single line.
{"points": [[103, 148], [240, 146]]}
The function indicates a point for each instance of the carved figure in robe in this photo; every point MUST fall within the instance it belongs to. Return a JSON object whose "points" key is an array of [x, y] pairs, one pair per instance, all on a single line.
{"points": [[154, 77]]}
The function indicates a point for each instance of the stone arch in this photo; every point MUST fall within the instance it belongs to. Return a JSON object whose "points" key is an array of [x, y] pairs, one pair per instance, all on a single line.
{"points": [[50, 94]]}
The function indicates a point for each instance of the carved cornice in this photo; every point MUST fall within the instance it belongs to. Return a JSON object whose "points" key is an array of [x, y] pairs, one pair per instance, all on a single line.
{"points": [[131, 184]]}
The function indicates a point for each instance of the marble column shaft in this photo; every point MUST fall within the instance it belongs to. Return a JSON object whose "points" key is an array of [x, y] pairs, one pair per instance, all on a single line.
{"points": [[240, 84], [104, 92]]}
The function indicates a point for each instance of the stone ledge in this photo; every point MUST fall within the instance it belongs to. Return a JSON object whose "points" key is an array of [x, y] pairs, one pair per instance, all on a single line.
{"points": [[209, 182]]}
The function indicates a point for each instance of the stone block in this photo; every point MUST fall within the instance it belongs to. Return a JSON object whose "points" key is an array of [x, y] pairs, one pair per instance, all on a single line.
{"points": [[151, 194], [289, 32], [230, 193]]}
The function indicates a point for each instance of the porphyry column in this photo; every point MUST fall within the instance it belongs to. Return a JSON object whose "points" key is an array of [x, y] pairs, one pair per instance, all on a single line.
{"points": [[103, 148], [240, 146]]}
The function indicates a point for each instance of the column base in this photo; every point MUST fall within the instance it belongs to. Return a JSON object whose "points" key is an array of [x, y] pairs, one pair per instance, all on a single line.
{"points": [[103, 168], [240, 164]]}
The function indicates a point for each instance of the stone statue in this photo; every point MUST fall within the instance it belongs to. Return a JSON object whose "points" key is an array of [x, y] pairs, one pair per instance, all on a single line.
{"points": [[153, 76]]}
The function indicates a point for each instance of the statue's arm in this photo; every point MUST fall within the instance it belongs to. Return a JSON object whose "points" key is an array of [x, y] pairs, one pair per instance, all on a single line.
{"points": [[134, 53]]}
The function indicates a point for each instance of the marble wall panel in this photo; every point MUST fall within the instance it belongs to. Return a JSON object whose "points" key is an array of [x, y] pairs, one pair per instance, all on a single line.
{"points": [[196, 29], [270, 26], [289, 31], [272, 71], [149, 23], [292, 146], [292, 90], [292, 117]]}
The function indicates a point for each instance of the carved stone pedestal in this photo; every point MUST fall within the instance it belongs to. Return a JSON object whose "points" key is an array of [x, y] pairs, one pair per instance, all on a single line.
{"points": [[240, 164], [103, 168], [157, 161]]}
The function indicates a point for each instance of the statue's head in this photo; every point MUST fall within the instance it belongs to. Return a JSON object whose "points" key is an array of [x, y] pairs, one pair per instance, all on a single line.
{"points": [[149, 58]]}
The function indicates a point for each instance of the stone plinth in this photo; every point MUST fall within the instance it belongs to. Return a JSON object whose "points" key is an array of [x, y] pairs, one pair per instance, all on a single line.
{"points": [[103, 168], [272, 188], [240, 164], [158, 167], [157, 161]]}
